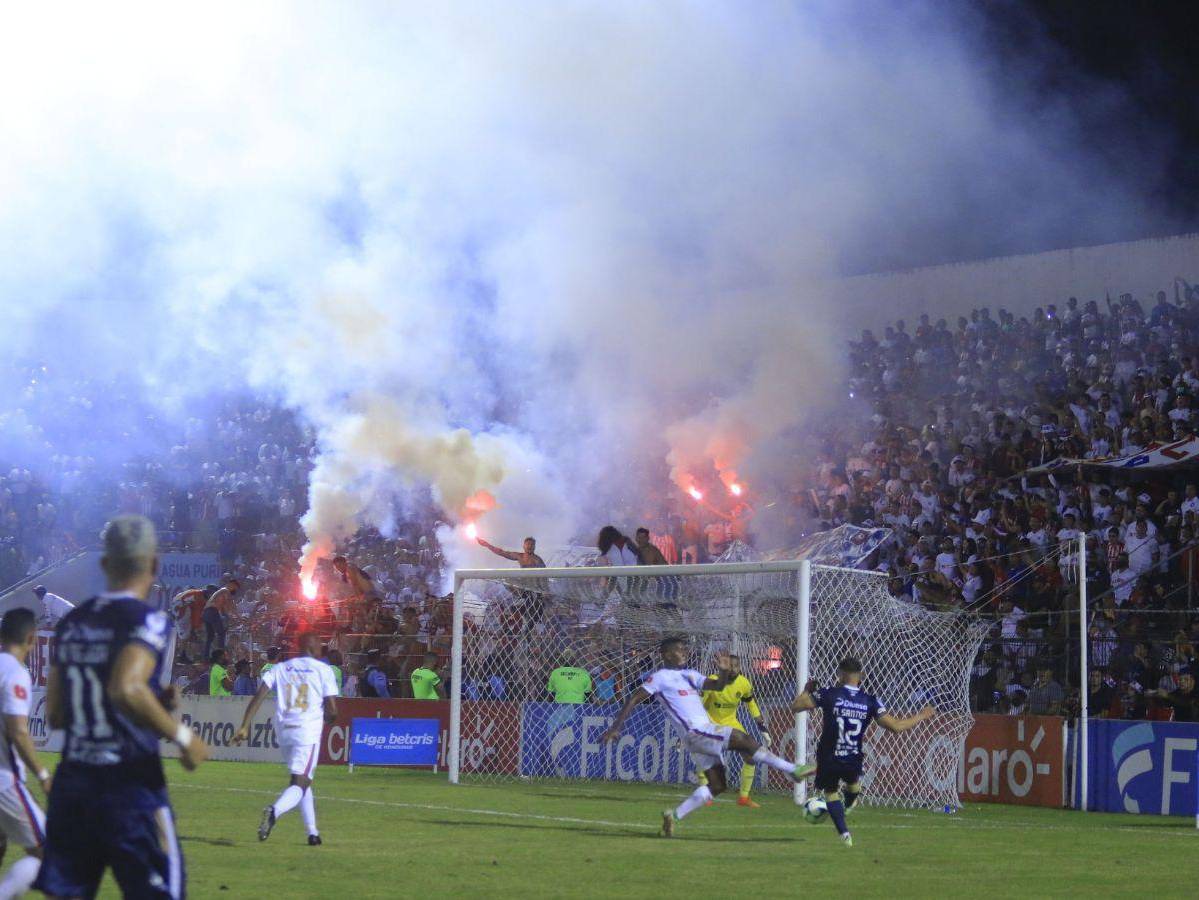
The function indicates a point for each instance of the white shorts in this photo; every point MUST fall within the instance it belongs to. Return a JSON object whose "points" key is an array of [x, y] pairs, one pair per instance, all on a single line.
{"points": [[300, 759], [21, 819], [707, 745]]}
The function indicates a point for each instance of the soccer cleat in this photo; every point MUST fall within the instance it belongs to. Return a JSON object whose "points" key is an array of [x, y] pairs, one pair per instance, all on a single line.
{"points": [[314, 840], [667, 823], [267, 823], [709, 803], [745, 801], [800, 772], [847, 839]]}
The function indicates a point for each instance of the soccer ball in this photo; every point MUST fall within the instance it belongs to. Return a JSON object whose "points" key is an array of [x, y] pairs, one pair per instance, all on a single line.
{"points": [[814, 810]]}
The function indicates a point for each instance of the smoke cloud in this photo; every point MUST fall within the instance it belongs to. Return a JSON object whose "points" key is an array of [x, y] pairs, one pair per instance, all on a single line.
{"points": [[549, 251]]}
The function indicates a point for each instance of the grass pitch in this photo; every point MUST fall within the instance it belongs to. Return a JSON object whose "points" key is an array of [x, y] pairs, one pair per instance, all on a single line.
{"points": [[393, 833]]}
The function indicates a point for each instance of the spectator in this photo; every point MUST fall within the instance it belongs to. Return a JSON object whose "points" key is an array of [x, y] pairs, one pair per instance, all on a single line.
{"points": [[244, 684], [373, 682], [334, 658], [219, 682], [218, 607], [648, 554], [1046, 695], [53, 606], [272, 658], [527, 557], [614, 548], [1184, 700]]}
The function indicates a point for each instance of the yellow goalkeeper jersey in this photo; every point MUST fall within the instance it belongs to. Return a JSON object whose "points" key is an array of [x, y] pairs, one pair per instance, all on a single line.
{"points": [[722, 704]]}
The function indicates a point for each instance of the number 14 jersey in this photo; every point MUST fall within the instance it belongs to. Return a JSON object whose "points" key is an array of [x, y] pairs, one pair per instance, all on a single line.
{"points": [[302, 684]]}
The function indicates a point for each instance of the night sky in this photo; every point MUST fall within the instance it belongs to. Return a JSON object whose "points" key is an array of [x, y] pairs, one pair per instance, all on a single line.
{"points": [[1143, 58]]}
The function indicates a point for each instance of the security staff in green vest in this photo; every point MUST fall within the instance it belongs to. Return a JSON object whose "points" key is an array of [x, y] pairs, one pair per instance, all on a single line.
{"points": [[568, 683]]}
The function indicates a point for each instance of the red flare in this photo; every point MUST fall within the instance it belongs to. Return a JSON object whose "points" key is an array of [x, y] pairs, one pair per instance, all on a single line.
{"points": [[735, 489], [472, 530], [695, 493]]}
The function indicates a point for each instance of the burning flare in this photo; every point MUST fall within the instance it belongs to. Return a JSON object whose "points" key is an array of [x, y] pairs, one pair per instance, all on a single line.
{"points": [[309, 588], [735, 489], [695, 493], [472, 530]]}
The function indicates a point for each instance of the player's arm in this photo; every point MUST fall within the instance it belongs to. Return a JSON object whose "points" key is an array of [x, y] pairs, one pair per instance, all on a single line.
{"points": [[507, 554], [806, 700], [724, 674], [896, 725], [243, 731], [17, 729], [756, 711], [638, 696], [330, 707], [129, 690]]}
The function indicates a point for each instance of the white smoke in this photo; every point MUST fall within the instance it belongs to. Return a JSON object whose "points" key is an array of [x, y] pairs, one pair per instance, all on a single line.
{"points": [[531, 250]]}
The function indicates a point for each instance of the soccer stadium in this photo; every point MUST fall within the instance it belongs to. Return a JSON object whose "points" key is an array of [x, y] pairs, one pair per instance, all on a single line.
{"points": [[599, 449]]}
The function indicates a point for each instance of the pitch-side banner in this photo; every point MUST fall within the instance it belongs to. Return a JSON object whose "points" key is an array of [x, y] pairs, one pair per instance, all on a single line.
{"points": [[1014, 759], [1155, 456], [1143, 767], [562, 740], [215, 719]]}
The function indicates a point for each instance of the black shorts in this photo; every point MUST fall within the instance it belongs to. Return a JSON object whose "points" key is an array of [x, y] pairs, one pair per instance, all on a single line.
{"points": [[832, 773], [92, 825]]}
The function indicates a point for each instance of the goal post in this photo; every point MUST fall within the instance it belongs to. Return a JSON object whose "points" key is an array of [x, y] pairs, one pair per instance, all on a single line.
{"points": [[597, 629]]}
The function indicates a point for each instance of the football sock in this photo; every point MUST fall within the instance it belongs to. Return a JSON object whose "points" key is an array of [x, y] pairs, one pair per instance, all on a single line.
{"points": [[836, 812], [762, 755], [20, 877], [852, 792], [308, 811], [698, 798], [748, 770], [702, 778], [287, 800]]}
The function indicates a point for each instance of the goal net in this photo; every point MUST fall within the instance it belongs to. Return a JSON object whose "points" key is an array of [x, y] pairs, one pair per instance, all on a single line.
{"points": [[544, 658]]}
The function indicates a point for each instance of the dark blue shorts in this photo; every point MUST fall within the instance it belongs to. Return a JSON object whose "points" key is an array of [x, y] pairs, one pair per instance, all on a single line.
{"points": [[91, 826], [832, 773]]}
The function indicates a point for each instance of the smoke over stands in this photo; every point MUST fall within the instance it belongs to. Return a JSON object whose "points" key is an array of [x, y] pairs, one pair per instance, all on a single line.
{"points": [[553, 256]]}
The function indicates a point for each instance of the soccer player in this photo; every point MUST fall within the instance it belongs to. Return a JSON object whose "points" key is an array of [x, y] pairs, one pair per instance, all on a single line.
{"points": [[848, 711], [109, 804], [721, 704], [679, 690], [307, 701], [21, 821]]}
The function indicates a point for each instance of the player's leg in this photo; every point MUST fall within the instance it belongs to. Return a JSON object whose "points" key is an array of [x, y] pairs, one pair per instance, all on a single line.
{"points": [[852, 793], [77, 827], [829, 780], [706, 752], [308, 804], [144, 852], [23, 824], [752, 750], [300, 759], [749, 770]]}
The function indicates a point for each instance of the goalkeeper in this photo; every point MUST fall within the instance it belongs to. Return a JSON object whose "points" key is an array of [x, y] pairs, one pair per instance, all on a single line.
{"points": [[722, 704]]}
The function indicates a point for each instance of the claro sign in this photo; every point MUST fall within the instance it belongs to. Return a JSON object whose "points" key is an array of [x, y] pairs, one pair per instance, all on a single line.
{"points": [[1014, 759]]}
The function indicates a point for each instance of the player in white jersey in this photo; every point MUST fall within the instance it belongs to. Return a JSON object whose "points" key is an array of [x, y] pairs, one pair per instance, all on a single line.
{"points": [[21, 820], [306, 689], [680, 692]]}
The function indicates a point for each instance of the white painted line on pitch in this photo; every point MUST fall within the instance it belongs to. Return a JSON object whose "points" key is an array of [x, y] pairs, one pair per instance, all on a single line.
{"points": [[698, 826]]}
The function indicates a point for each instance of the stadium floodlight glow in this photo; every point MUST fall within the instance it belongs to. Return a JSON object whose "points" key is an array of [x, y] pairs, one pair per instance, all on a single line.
{"points": [[696, 493]]}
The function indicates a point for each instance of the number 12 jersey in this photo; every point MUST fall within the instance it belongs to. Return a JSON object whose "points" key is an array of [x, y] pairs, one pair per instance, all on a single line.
{"points": [[847, 711]]}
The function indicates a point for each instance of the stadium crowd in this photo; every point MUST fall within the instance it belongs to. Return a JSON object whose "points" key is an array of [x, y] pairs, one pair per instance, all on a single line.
{"points": [[955, 466]]}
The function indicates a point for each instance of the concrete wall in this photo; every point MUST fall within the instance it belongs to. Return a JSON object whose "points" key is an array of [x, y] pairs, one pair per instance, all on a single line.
{"points": [[1017, 283]]}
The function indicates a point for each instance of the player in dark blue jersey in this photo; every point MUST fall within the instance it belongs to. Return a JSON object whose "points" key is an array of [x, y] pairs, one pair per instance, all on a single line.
{"points": [[847, 712], [108, 804]]}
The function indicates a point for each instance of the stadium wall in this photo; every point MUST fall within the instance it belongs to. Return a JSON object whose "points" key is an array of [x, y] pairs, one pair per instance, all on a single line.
{"points": [[1017, 283]]}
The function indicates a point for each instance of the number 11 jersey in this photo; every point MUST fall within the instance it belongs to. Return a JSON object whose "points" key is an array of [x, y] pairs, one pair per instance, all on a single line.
{"points": [[88, 641], [302, 684]]}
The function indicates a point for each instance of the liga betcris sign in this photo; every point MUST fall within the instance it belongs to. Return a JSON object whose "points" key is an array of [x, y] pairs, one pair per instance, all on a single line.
{"points": [[1014, 759]]}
